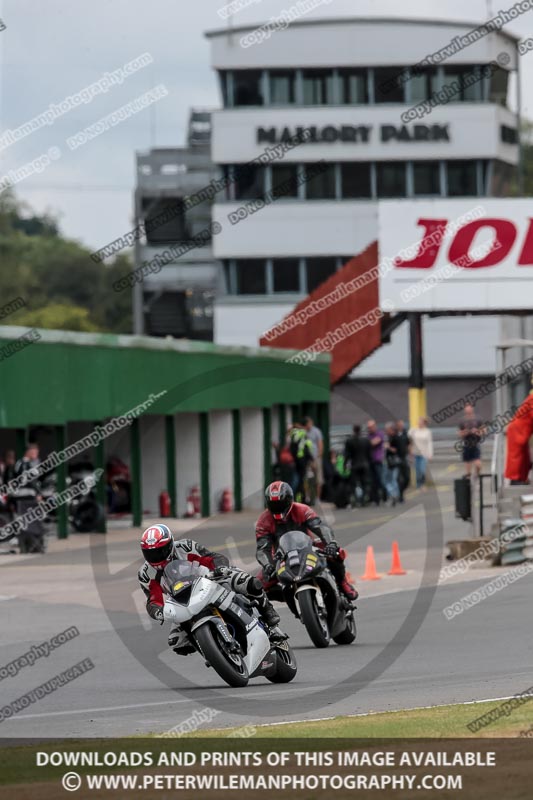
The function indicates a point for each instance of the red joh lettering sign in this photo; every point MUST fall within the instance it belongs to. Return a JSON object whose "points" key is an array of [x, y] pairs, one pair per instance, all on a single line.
{"points": [[457, 254]]}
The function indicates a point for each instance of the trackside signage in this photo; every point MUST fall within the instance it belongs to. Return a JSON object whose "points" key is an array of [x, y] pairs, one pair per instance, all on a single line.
{"points": [[456, 255]]}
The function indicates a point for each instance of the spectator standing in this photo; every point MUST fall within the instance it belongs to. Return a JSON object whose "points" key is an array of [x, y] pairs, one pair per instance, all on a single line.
{"points": [[301, 449], [9, 466], [422, 447], [357, 453], [404, 449], [8, 474], [28, 495], [470, 432], [392, 463], [285, 461], [377, 454], [314, 434]]}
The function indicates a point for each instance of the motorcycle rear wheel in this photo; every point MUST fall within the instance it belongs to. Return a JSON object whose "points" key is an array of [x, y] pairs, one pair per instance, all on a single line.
{"points": [[230, 667], [349, 634]]}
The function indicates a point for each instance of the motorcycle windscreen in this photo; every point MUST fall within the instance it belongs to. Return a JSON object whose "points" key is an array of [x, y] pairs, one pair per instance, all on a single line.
{"points": [[294, 540], [180, 575]]}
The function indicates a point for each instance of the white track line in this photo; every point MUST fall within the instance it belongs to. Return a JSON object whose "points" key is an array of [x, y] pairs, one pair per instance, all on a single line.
{"points": [[22, 717], [389, 711]]}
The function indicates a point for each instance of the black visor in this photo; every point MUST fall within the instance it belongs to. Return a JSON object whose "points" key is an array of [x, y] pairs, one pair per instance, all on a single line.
{"points": [[278, 506], [157, 554]]}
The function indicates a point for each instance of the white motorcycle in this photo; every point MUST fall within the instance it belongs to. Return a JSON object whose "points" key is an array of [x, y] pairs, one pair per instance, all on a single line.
{"points": [[225, 627]]}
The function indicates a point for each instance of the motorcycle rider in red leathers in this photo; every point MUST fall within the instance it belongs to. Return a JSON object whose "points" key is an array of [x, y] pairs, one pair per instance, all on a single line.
{"points": [[282, 515], [159, 548]]}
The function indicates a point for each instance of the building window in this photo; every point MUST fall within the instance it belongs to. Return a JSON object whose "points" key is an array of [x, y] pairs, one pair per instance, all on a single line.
{"points": [[286, 272], [354, 86], [355, 178], [462, 178], [319, 270], [227, 287], [392, 179], [282, 87], [463, 83], [423, 83], [503, 181], [177, 228], [321, 186], [498, 83], [247, 88], [426, 178], [285, 180], [389, 85], [224, 87], [251, 276], [249, 181], [318, 87]]}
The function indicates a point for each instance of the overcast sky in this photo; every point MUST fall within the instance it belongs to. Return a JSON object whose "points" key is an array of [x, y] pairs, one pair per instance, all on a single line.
{"points": [[53, 48]]}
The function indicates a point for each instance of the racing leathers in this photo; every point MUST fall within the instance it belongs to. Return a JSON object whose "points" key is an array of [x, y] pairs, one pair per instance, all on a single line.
{"points": [[299, 518], [218, 565]]}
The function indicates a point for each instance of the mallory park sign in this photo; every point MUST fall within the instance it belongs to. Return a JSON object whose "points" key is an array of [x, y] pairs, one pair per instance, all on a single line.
{"points": [[361, 134]]}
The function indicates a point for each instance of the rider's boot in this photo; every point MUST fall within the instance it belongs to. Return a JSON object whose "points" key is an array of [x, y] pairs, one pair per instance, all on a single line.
{"points": [[271, 618], [180, 642]]}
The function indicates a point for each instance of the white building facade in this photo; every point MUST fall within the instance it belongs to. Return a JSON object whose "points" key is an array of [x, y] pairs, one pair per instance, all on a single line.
{"points": [[349, 84]]}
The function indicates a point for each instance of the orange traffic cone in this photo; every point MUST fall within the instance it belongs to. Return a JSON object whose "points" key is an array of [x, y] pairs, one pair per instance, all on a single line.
{"points": [[396, 568], [370, 566]]}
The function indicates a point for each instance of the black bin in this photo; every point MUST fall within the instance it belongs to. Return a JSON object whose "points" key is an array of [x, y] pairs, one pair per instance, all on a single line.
{"points": [[463, 498]]}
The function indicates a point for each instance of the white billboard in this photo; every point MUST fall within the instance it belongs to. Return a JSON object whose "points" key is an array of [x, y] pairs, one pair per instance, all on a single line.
{"points": [[456, 255]]}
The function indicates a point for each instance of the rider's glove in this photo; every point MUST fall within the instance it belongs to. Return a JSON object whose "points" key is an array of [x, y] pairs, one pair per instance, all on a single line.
{"points": [[156, 612], [221, 572], [331, 550], [268, 571]]}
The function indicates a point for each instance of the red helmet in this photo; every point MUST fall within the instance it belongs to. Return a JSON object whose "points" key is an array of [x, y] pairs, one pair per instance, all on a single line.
{"points": [[279, 498], [157, 545]]}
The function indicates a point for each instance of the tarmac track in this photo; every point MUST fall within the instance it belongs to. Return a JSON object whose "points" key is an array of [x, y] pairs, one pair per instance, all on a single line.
{"points": [[138, 686]]}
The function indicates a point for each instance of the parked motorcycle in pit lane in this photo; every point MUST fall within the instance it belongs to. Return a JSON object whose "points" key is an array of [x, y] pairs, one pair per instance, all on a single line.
{"points": [[223, 626], [310, 591]]}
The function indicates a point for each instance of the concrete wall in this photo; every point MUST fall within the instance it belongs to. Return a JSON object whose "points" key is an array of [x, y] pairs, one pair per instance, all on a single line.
{"points": [[354, 401], [252, 458], [220, 456], [153, 460], [187, 456]]}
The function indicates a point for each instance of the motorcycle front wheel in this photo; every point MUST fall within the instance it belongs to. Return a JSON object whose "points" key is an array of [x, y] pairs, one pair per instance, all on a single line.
{"points": [[315, 625], [285, 665], [230, 666]]}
